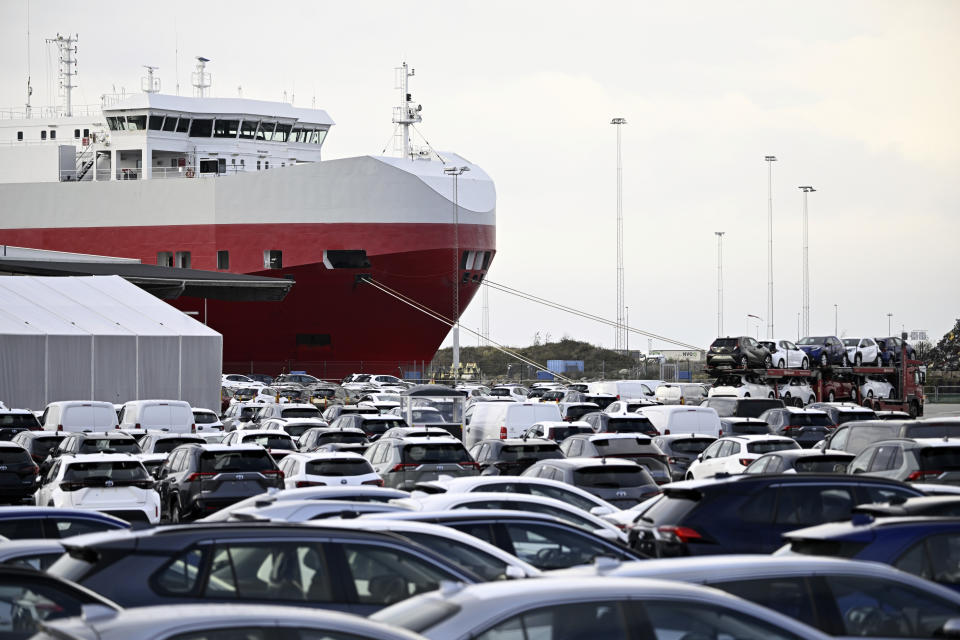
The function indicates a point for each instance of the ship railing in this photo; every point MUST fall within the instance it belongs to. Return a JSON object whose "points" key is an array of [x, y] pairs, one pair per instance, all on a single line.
{"points": [[133, 173], [78, 111]]}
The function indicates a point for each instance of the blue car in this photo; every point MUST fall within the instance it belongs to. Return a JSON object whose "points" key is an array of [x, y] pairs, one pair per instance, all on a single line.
{"points": [[925, 546], [824, 350], [891, 350], [18, 523]]}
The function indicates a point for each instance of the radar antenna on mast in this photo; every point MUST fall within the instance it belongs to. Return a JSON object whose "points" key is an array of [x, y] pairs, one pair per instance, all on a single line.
{"points": [[200, 78], [150, 84], [68, 69], [407, 113]]}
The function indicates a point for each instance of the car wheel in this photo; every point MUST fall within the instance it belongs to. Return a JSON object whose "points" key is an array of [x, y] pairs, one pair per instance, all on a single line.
{"points": [[831, 397], [805, 364], [768, 362], [846, 360], [780, 364], [823, 360], [175, 515], [858, 359], [746, 395], [689, 476], [870, 394], [743, 362]]}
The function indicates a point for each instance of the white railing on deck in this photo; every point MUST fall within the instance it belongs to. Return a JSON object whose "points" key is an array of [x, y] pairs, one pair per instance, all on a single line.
{"points": [[79, 111], [158, 173]]}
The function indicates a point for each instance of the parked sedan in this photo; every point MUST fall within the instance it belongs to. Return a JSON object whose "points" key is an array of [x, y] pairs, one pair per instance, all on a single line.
{"points": [[786, 354], [590, 607], [891, 350], [824, 350], [861, 350], [683, 449], [796, 392], [878, 387]]}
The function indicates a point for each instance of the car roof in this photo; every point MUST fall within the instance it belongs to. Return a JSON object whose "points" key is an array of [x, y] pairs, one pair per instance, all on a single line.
{"points": [[263, 432], [326, 455], [222, 448], [802, 410], [56, 512], [16, 411], [740, 420], [454, 515], [579, 463], [426, 440], [613, 436], [810, 453], [99, 457], [6, 444], [520, 441], [770, 478], [754, 437]]}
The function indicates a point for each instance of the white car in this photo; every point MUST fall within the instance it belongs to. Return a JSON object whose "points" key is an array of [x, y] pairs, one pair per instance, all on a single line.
{"points": [[863, 350], [308, 510], [324, 469], [877, 388], [557, 431], [741, 385], [621, 407], [207, 420], [277, 443], [793, 388], [112, 483], [733, 454], [786, 354], [235, 381], [294, 427]]}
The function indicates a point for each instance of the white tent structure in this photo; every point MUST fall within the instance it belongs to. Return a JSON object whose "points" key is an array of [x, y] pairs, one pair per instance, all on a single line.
{"points": [[101, 338]]}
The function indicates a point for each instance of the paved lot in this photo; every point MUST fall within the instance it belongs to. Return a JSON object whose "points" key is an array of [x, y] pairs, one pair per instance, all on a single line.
{"points": [[936, 410]]}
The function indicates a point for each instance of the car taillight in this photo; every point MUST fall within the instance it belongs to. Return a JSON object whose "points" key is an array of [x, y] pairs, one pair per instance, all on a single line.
{"points": [[377, 483], [71, 486], [273, 472], [33, 470], [200, 475], [682, 534], [143, 484], [404, 465], [675, 460], [503, 432], [59, 427], [193, 428], [300, 484], [920, 475], [745, 461], [469, 465]]}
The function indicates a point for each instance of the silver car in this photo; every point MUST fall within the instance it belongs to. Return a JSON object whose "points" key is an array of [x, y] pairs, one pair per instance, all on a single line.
{"points": [[403, 462]]}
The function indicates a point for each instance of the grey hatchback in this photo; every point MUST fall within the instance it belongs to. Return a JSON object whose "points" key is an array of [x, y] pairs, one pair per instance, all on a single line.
{"points": [[635, 447], [403, 462], [622, 483]]}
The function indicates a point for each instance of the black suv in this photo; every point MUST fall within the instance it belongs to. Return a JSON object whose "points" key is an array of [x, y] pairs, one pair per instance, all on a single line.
{"points": [[327, 567], [373, 426], [743, 352], [728, 407], [313, 439], [18, 473], [92, 442], [511, 456], [13, 421], [198, 479], [750, 513], [39, 444], [167, 442], [602, 422]]}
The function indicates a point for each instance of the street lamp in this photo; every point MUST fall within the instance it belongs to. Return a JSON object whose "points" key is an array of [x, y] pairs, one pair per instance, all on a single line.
{"points": [[746, 324], [456, 172], [621, 333], [835, 324], [805, 303], [770, 160], [889, 318], [719, 235]]}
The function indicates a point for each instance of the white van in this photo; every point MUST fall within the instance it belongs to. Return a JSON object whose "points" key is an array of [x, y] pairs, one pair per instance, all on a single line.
{"points": [[678, 419], [79, 415], [627, 389], [484, 420], [174, 416]]}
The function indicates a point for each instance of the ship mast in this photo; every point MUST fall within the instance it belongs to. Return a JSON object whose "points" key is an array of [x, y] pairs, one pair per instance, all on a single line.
{"points": [[67, 70], [407, 113]]}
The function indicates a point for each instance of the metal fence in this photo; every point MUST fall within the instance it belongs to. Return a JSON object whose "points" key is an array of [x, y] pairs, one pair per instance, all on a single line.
{"points": [[942, 394]]}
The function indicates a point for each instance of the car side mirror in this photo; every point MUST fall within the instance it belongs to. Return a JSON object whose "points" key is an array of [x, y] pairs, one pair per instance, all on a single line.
{"points": [[700, 458], [513, 572], [950, 629], [601, 510], [607, 534]]}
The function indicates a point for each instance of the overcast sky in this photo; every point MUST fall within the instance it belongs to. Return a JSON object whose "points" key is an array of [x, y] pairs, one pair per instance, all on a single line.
{"points": [[858, 99]]}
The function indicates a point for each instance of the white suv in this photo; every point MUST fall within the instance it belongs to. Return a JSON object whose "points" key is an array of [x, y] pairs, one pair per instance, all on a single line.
{"points": [[113, 483], [733, 453], [327, 469], [741, 385]]}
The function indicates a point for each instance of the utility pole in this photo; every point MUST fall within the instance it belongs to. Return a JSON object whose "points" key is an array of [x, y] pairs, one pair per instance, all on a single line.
{"points": [[456, 172], [806, 263], [620, 336], [485, 319], [889, 319], [770, 160], [836, 324], [719, 235]]}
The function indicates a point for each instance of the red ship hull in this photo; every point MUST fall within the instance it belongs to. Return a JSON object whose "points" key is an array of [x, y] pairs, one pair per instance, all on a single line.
{"points": [[329, 324]]}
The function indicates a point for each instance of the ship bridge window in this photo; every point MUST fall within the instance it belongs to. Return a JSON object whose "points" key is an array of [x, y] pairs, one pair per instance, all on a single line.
{"points": [[223, 259], [136, 123], [486, 260], [273, 259], [299, 135], [318, 136], [248, 129], [183, 125], [115, 123], [346, 259], [282, 133], [156, 123], [20, 135], [201, 128], [225, 128], [170, 124], [86, 133], [265, 132]]}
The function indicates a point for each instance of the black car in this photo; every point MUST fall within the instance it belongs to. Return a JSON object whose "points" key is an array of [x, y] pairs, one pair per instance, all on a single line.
{"points": [[750, 513], [622, 483], [511, 456], [605, 423], [806, 426], [13, 421], [843, 412], [327, 567], [198, 479], [32, 597], [891, 350], [373, 426], [18, 473], [729, 407], [313, 439], [744, 426], [637, 448], [741, 352], [544, 541], [39, 444], [683, 449]]}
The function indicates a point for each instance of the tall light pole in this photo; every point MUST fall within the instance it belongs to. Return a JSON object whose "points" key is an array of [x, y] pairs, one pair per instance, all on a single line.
{"points": [[889, 318], [627, 331], [835, 323], [456, 172], [719, 235], [620, 337], [770, 160], [746, 324], [805, 303]]}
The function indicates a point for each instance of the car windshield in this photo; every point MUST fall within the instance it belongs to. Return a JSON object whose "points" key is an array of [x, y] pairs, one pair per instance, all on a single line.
{"points": [[615, 446], [301, 412], [202, 417], [19, 420], [851, 342], [812, 341], [822, 464], [753, 407], [323, 393], [766, 446], [772, 346], [120, 445], [609, 477], [921, 430], [347, 437], [270, 441], [115, 470], [809, 420], [14, 456], [724, 342], [220, 461], [379, 426], [43, 446], [749, 428], [166, 445], [434, 452], [693, 445], [940, 458], [629, 425], [546, 451], [728, 380], [423, 415], [347, 467], [499, 392], [562, 433], [297, 430], [575, 413]]}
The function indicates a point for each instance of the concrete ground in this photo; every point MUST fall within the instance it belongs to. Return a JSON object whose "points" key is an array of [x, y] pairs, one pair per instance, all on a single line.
{"points": [[931, 410]]}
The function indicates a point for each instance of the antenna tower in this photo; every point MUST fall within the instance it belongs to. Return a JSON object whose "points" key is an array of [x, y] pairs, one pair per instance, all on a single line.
{"points": [[806, 264], [150, 84], [200, 78], [620, 338], [719, 235], [67, 69], [770, 160], [407, 113]]}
